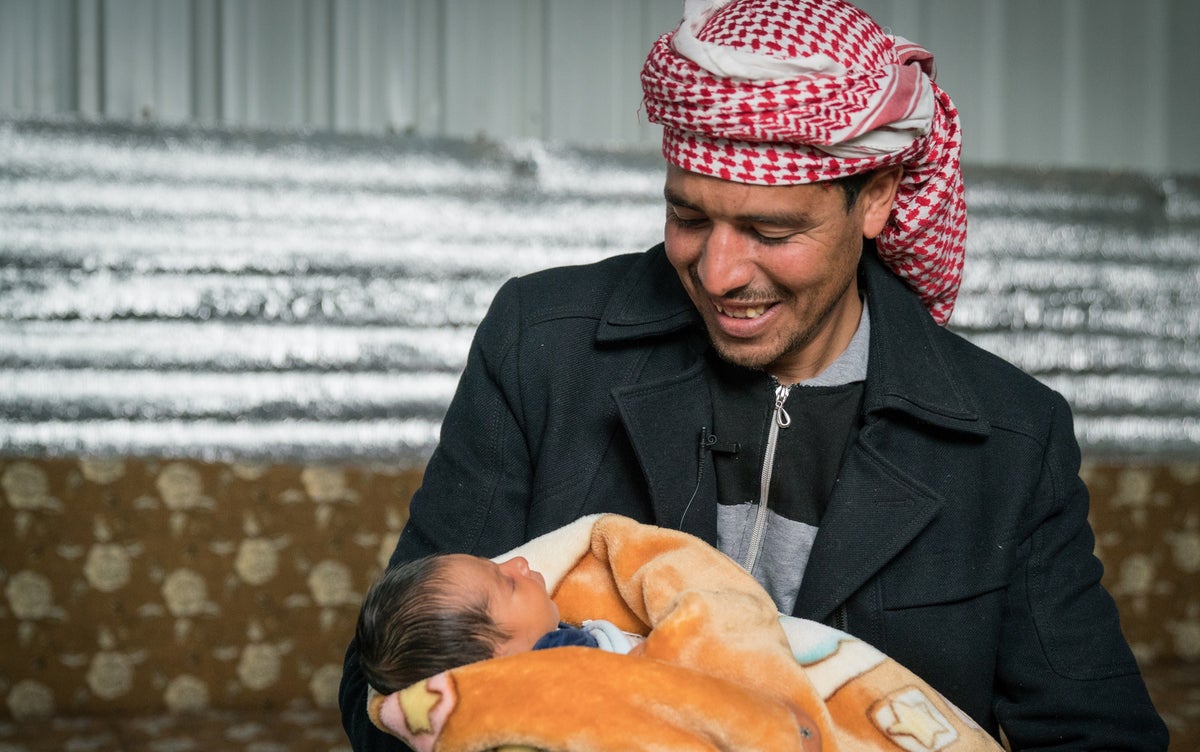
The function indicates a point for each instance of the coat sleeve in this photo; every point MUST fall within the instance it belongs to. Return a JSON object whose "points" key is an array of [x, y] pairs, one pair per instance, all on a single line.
{"points": [[1067, 678], [475, 492], [474, 496]]}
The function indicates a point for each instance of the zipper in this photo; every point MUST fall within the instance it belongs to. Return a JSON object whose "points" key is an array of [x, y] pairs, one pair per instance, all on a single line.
{"points": [[779, 419], [840, 619]]}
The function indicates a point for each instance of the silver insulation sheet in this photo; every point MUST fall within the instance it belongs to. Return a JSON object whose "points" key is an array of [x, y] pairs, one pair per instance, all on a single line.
{"points": [[292, 296]]}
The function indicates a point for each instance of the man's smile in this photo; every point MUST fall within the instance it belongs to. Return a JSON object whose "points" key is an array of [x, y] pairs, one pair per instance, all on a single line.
{"points": [[741, 312], [743, 321]]}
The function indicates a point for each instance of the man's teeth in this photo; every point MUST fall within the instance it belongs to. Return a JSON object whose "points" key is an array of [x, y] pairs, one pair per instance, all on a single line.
{"points": [[743, 313]]}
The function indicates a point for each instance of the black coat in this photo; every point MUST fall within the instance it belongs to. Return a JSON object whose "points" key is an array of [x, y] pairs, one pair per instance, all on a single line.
{"points": [[956, 539]]}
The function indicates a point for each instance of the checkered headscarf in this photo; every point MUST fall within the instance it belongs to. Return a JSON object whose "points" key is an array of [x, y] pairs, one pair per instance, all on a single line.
{"points": [[782, 92]]}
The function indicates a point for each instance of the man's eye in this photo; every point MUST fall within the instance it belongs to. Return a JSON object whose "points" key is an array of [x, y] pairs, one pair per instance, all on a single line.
{"points": [[686, 222], [771, 239]]}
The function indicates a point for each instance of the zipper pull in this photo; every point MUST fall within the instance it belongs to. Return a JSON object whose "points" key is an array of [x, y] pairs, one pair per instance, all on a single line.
{"points": [[781, 416]]}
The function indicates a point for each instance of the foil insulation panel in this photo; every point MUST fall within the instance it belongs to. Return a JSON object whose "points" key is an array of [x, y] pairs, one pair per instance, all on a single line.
{"points": [[295, 296]]}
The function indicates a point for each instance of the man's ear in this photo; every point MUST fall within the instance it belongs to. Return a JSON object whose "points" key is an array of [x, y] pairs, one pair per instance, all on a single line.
{"points": [[877, 198]]}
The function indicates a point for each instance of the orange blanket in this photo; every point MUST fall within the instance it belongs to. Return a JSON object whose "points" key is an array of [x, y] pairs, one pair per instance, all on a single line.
{"points": [[720, 668]]}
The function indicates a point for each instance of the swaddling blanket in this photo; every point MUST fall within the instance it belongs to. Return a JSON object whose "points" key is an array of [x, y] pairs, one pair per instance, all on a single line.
{"points": [[720, 669]]}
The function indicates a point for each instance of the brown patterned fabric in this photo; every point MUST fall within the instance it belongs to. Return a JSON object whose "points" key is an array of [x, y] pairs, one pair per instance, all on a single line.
{"points": [[295, 729], [1147, 523], [144, 586], [163, 604]]}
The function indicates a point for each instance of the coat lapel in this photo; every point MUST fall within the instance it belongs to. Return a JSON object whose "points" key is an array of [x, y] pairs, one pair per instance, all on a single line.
{"points": [[664, 411], [874, 513], [877, 508], [664, 420]]}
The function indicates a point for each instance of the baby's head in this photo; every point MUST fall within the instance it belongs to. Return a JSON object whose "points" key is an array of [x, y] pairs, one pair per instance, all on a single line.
{"points": [[448, 610]]}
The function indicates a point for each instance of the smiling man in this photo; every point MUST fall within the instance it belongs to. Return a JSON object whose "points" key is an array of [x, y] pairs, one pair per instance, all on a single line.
{"points": [[773, 270], [776, 379]]}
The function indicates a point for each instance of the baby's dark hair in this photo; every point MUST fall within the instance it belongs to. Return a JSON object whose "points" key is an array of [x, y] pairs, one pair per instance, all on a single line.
{"points": [[416, 622]]}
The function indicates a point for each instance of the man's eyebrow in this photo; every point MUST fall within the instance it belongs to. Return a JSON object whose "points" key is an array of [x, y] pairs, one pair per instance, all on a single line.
{"points": [[675, 199], [780, 219]]}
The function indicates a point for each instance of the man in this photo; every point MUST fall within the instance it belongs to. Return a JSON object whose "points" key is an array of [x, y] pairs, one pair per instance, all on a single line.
{"points": [[774, 378]]}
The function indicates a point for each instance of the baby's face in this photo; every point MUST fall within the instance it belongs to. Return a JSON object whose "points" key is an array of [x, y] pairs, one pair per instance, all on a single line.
{"points": [[517, 598]]}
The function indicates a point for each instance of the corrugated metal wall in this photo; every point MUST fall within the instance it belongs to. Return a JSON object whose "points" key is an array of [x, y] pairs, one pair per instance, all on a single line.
{"points": [[1106, 84], [244, 286], [193, 292]]}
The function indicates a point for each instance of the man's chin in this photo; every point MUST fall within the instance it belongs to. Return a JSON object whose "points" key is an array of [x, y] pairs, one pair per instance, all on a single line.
{"points": [[744, 356]]}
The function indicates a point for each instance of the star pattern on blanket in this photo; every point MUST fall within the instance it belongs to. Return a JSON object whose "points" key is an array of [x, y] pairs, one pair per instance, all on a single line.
{"points": [[417, 702], [916, 721], [910, 720]]}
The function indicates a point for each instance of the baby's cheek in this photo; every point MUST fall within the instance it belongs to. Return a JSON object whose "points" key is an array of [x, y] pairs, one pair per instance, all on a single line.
{"points": [[555, 617]]}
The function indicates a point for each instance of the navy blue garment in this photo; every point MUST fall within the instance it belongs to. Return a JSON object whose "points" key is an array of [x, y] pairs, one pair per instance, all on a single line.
{"points": [[564, 636]]}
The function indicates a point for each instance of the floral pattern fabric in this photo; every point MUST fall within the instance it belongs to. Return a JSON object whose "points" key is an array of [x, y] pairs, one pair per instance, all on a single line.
{"points": [[149, 586], [149, 600]]}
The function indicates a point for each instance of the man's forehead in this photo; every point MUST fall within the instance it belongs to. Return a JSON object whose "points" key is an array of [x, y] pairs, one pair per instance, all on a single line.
{"points": [[709, 193]]}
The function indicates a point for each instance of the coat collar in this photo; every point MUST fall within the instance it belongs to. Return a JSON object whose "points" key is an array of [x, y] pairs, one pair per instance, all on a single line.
{"points": [[648, 302], [910, 371]]}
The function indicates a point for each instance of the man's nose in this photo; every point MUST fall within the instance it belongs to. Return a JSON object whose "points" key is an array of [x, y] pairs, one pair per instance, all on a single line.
{"points": [[724, 264]]}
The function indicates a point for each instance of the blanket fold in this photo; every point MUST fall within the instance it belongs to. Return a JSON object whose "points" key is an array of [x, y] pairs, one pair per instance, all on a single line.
{"points": [[720, 668]]}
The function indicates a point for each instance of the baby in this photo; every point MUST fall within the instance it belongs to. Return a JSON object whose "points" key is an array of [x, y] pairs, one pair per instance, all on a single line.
{"points": [[447, 610]]}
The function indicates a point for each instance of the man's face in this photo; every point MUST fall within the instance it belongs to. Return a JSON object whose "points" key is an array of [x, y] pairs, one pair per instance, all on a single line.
{"points": [[517, 599], [772, 269]]}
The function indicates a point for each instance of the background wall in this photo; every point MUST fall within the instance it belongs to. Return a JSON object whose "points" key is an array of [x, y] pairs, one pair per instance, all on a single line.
{"points": [[230, 294], [267, 175], [1102, 84]]}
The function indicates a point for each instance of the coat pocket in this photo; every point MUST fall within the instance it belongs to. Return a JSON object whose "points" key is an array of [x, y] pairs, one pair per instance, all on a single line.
{"points": [[947, 578]]}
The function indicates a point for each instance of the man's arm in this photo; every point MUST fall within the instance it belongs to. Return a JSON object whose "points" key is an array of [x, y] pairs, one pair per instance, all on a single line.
{"points": [[475, 491], [1067, 678], [474, 496]]}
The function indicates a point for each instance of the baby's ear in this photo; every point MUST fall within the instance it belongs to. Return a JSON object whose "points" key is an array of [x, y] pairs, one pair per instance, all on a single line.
{"points": [[510, 646]]}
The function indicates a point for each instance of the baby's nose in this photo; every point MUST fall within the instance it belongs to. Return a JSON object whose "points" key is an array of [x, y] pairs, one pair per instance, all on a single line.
{"points": [[519, 564]]}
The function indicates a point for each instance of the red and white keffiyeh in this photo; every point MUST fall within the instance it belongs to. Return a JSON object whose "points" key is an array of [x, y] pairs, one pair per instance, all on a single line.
{"points": [[782, 92]]}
